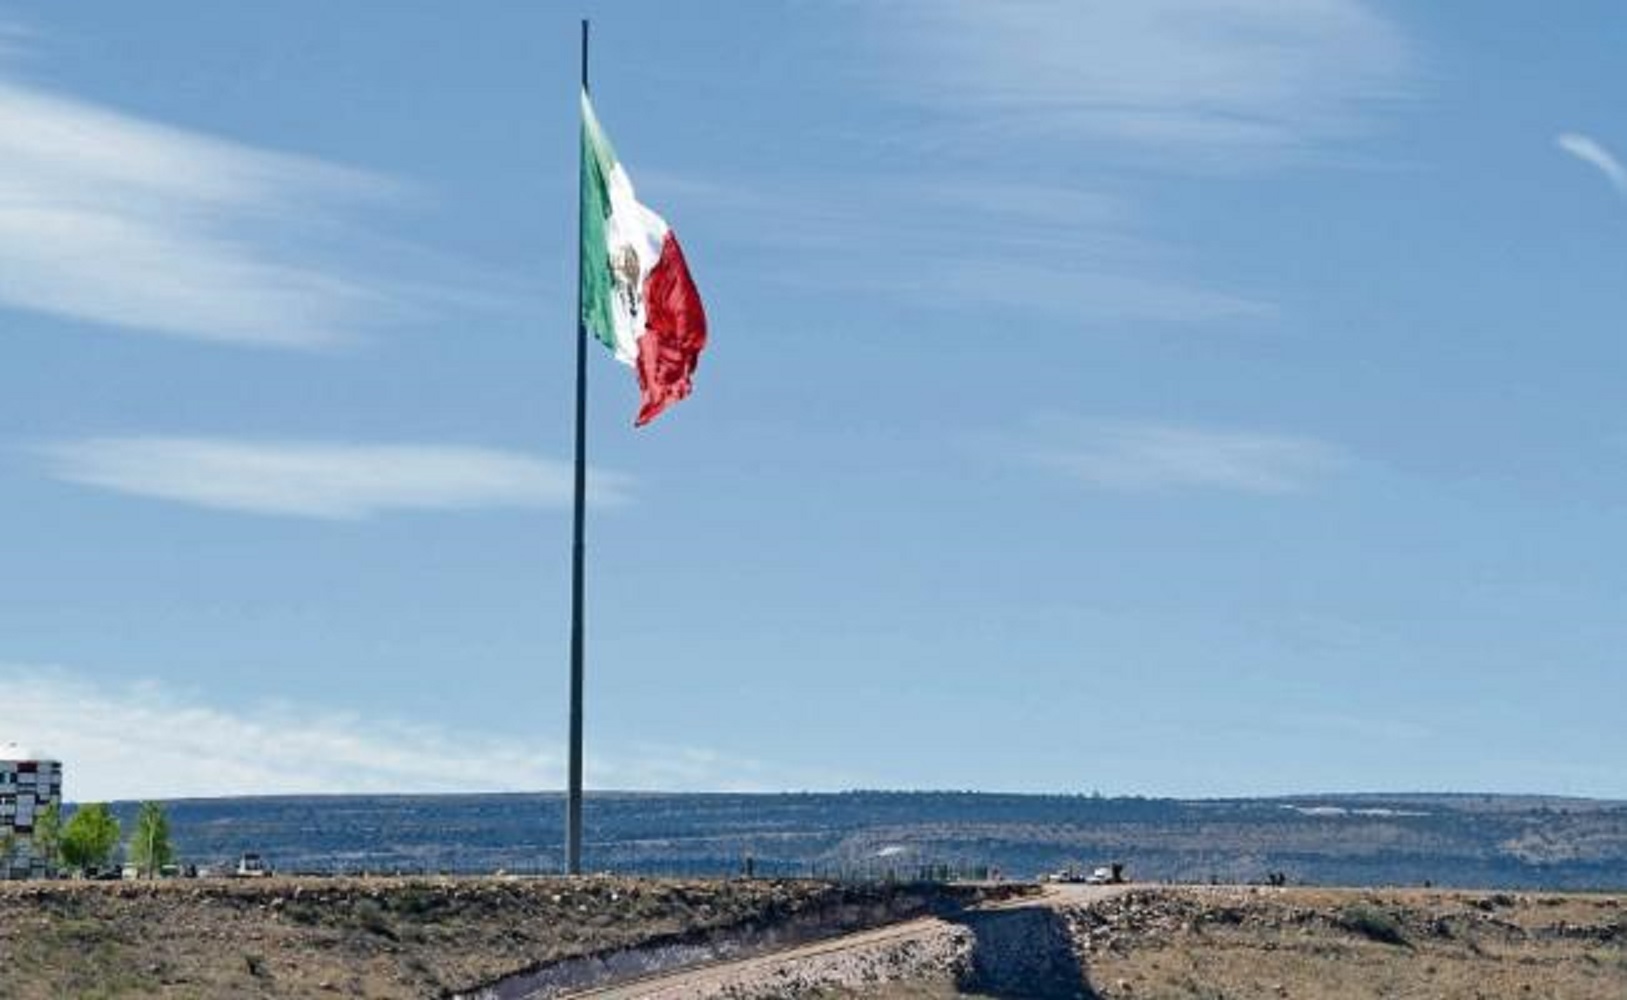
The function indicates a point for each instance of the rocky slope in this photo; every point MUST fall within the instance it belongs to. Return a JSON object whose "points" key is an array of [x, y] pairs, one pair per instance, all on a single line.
{"points": [[1272, 944], [436, 937], [375, 937]]}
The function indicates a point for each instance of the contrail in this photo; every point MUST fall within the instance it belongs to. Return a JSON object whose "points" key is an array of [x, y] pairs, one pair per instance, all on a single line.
{"points": [[1588, 150]]}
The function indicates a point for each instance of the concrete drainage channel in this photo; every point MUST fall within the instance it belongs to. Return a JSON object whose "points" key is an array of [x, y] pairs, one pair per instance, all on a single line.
{"points": [[575, 974], [1007, 952], [1024, 952], [718, 945]]}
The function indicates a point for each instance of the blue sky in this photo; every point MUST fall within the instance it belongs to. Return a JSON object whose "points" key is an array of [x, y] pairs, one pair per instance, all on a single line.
{"points": [[1154, 398]]}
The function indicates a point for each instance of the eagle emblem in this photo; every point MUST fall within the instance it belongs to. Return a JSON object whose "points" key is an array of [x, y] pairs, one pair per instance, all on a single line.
{"points": [[624, 268]]}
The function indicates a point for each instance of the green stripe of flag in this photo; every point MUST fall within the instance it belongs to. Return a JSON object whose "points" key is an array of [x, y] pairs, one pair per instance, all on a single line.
{"points": [[597, 160]]}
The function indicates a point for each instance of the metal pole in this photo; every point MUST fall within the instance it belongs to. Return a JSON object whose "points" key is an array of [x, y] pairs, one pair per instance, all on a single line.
{"points": [[573, 804]]}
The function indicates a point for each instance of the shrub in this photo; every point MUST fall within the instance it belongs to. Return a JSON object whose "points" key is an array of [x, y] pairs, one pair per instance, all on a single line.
{"points": [[370, 917], [1372, 923]]}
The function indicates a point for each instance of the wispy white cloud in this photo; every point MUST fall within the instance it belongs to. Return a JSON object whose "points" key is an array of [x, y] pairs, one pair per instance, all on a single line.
{"points": [[144, 740], [906, 215], [1147, 456], [320, 479], [1024, 110], [1081, 293], [114, 219], [1226, 82], [137, 740], [1590, 151], [1066, 252]]}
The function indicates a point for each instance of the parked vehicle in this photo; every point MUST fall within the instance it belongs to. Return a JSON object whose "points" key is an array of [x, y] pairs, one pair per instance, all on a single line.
{"points": [[1103, 875], [251, 865]]}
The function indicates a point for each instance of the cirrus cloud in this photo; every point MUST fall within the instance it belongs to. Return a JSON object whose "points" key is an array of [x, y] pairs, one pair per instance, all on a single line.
{"points": [[145, 739], [335, 481], [1592, 152], [1219, 83], [118, 220], [1138, 456]]}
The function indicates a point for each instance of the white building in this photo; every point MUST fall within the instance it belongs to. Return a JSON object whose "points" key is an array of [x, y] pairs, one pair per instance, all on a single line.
{"points": [[29, 783]]}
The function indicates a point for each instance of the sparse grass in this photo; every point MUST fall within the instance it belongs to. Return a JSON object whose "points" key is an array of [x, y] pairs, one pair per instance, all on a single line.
{"points": [[369, 915], [419, 902], [306, 914], [282, 938], [1332, 943], [935, 989], [379, 938]]}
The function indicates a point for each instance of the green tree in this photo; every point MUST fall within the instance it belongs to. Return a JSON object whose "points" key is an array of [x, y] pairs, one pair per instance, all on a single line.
{"points": [[150, 848], [8, 850], [89, 837], [47, 838]]}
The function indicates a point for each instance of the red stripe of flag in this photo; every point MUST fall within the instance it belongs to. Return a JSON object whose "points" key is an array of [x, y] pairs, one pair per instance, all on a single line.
{"points": [[674, 332]]}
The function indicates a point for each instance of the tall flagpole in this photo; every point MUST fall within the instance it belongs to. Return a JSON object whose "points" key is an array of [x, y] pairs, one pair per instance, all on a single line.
{"points": [[573, 803]]}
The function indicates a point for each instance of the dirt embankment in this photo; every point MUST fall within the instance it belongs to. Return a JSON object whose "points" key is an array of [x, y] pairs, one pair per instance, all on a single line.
{"points": [[1274, 944], [378, 938], [1280, 943], [432, 937]]}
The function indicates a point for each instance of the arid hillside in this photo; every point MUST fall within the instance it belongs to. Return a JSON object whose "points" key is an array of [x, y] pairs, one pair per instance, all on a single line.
{"points": [[375, 937], [1314, 944], [388, 938]]}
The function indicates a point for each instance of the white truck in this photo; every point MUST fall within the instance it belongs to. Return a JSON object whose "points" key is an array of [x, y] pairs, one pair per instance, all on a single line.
{"points": [[251, 865]]}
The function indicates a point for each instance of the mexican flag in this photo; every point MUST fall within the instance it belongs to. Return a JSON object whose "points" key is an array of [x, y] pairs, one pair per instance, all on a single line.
{"points": [[637, 296]]}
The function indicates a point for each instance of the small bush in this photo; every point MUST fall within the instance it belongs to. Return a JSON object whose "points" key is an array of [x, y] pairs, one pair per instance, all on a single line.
{"points": [[304, 914], [370, 917], [1372, 923], [418, 902]]}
